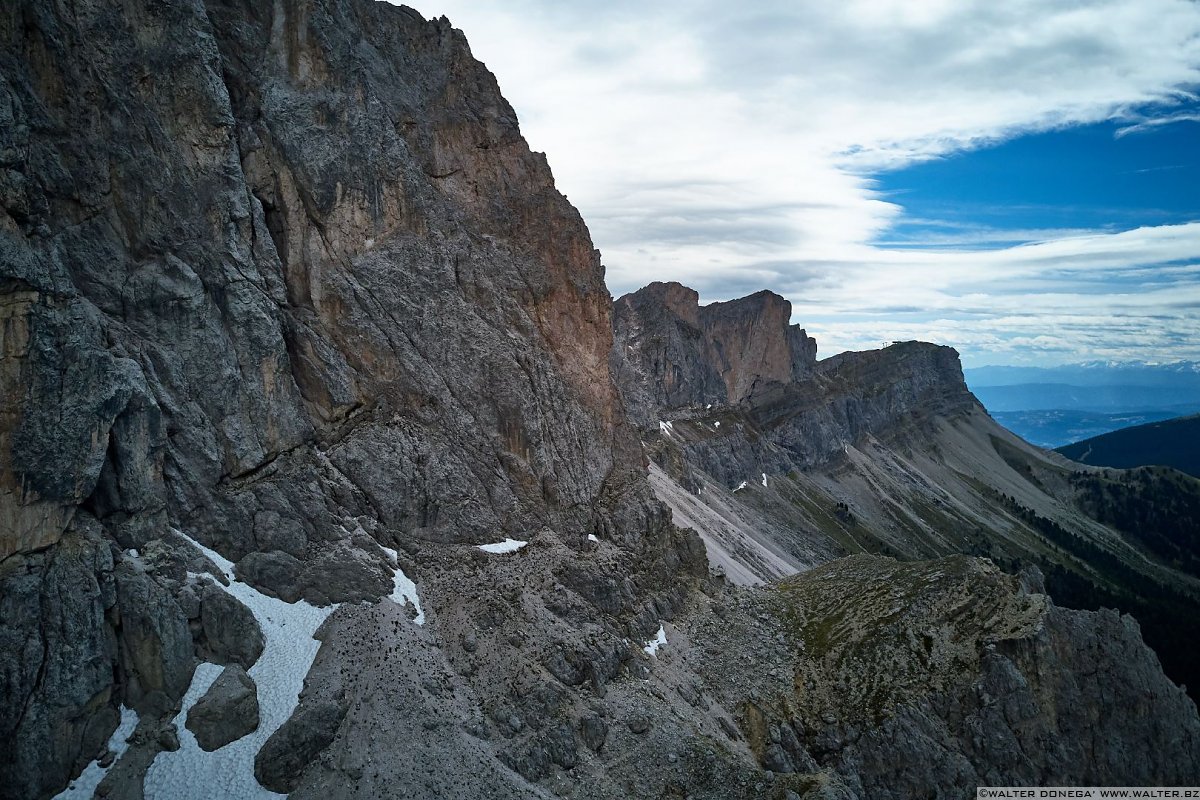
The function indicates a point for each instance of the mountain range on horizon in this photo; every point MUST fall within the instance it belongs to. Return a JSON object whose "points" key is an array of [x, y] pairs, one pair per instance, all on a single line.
{"points": [[329, 468], [1098, 371], [1055, 406]]}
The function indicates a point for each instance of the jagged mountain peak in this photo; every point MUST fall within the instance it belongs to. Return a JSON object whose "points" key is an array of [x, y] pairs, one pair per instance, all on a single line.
{"points": [[686, 354]]}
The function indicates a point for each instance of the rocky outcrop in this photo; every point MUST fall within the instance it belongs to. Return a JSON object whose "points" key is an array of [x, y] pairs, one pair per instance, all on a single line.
{"points": [[227, 711], [677, 353], [909, 680]]}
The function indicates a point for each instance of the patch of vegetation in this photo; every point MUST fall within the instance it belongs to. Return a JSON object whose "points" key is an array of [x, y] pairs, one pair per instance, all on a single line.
{"points": [[1156, 506], [1168, 615], [1174, 443], [833, 522], [1018, 461]]}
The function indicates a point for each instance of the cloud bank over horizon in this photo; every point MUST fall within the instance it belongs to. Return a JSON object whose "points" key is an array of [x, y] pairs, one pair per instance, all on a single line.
{"points": [[735, 149]]}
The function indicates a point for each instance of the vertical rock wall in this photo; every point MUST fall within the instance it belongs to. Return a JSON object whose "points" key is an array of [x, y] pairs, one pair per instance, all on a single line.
{"points": [[276, 274]]}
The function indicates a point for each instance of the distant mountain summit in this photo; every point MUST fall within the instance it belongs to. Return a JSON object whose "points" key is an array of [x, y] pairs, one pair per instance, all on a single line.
{"points": [[887, 451]]}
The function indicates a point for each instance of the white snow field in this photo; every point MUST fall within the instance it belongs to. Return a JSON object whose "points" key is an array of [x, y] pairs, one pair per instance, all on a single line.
{"points": [[507, 546], [289, 649], [658, 641], [403, 589]]}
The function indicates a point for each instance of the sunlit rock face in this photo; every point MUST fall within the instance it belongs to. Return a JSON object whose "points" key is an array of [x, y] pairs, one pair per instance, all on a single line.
{"points": [[681, 353]]}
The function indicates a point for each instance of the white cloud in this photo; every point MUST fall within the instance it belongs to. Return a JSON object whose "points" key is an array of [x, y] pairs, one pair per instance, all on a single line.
{"points": [[728, 146]]}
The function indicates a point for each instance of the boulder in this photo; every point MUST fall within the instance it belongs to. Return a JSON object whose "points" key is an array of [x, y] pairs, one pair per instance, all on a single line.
{"points": [[227, 711], [229, 632]]}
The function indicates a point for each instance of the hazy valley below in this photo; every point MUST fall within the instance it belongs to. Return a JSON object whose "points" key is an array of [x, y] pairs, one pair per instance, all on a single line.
{"points": [[1055, 406]]}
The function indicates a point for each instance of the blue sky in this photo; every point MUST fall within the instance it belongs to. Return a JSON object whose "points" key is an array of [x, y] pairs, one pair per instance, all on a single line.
{"points": [[1106, 176], [1014, 179]]}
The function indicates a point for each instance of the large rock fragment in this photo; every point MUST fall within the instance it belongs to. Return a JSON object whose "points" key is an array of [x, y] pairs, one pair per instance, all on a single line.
{"points": [[156, 654], [281, 761], [227, 711], [229, 631]]}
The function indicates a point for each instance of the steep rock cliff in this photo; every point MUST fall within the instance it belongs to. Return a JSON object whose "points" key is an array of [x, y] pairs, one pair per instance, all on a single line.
{"points": [[677, 353], [287, 278]]}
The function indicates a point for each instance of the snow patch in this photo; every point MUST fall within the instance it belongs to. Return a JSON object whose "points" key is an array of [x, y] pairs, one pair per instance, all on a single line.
{"points": [[288, 653], [403, 589], [658, 641], [666, 427], [764, 479], [592, 537], [717, 424], [83, 787], [741, 486], [507, 546]]}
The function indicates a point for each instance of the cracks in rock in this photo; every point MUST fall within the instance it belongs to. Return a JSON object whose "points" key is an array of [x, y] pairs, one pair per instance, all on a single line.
{"points": [[365, 497], [260, 470], [39, 680]]}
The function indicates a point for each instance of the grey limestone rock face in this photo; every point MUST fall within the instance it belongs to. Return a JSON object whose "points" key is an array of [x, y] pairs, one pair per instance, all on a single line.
{"points": [[286, 278], [673, 352], [745, 395], [229, 632], [57, 655], [227, 711], [743, 365]]}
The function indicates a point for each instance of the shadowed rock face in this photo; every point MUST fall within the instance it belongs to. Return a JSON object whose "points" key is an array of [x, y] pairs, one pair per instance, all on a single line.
{"points": [[287, 277]]}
